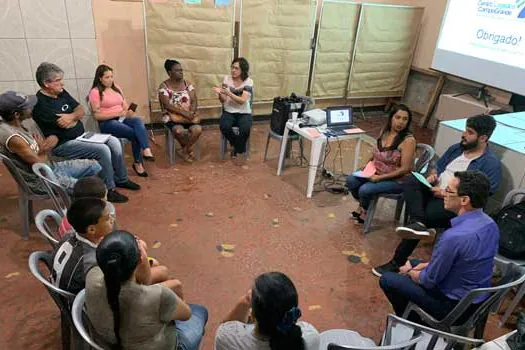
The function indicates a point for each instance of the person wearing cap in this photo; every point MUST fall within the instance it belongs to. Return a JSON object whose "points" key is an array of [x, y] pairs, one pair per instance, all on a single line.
{"points": [[25, 149], [58, 114]]}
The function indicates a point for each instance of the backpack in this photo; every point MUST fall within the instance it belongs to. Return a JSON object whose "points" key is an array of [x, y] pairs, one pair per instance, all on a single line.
{"points": [[511, 222]]}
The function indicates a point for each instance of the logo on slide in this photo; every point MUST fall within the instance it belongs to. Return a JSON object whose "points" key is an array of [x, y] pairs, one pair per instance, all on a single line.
{"points": [[503, 8], [519, 4]]}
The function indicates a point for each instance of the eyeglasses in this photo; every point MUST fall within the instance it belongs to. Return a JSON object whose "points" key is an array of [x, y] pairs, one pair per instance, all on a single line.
{"points": [[449, 191]]}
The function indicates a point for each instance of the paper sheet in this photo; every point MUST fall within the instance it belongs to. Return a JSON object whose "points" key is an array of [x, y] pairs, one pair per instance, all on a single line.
{"points": [[95, 138], [422, 179], [313, 132], [354, 131], [367, 172]]}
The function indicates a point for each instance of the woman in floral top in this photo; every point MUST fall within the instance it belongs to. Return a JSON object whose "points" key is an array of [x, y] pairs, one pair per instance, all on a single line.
{"points": [[178, 101]]}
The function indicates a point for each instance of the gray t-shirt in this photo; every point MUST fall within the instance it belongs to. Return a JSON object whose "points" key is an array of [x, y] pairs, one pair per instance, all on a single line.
{"points": [[235, 335], [146, 314]]}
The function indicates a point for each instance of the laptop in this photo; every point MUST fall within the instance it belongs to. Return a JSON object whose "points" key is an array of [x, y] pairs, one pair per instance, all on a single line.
{"points": [[338, 119]]}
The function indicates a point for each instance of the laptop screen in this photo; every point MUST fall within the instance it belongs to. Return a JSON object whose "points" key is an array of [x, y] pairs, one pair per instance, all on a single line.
{"points": [[339, 116]]}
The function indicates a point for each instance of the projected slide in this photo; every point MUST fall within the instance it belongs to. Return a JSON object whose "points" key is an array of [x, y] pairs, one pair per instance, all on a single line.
{"points": [[484, 41]]}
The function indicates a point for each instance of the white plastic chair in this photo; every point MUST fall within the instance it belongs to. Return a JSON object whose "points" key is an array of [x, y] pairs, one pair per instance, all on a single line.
{"points": [[77, 312], [56, 191], [26, 196], [49, 233], [399, 334], [62, 298]]}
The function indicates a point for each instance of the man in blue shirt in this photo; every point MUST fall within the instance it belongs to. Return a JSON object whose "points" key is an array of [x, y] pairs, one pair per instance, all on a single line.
{"points": [[425, 205], [462, 259]]}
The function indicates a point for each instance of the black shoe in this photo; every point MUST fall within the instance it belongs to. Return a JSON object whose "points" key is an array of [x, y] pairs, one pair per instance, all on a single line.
{"points": [[390, 266], [356, 214], [115, 197], [142, 174], [130, 185], [149, 158], [416, 230]]}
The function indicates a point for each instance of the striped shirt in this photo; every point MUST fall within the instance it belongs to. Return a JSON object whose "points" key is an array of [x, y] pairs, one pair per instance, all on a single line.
{"points": [[72, 260]]}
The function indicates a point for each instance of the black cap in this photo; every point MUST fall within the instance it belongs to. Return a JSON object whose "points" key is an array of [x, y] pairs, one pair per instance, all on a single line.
{"points": [[11, 101]]}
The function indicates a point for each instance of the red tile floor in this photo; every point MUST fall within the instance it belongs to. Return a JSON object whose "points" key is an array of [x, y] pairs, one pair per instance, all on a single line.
{"points": [[190, 209]]}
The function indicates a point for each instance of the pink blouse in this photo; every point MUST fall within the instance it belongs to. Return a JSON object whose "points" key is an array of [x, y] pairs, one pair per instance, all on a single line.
{"points": [[112, 102]]}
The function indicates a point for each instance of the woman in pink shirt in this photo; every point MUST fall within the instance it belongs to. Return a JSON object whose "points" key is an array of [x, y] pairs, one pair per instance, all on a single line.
{"points": [[115, 117]]}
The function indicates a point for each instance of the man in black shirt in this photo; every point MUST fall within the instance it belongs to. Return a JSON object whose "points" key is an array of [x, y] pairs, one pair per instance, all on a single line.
{"points": [[58, 113]]}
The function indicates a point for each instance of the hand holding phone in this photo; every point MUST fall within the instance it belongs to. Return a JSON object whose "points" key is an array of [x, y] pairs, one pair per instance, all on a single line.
{"points": [[132, 107]]}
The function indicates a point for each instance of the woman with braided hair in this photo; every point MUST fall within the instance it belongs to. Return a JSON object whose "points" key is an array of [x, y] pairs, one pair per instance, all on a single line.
{"points": [[273, 304], [127, 315]]}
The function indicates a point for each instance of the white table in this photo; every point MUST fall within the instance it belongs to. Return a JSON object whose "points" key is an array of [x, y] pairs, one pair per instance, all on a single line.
{"points": [[316, 151]]}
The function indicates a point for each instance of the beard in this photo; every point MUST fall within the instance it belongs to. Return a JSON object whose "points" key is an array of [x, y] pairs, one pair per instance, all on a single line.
{"points": [[469, 145]]}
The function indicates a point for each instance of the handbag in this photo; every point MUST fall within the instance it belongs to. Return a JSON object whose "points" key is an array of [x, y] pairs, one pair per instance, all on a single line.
{"points": [[179, 119]]}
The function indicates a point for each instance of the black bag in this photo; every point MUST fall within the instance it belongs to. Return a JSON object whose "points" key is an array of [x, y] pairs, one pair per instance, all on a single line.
{"points": [[511, 223], [281, 109]]}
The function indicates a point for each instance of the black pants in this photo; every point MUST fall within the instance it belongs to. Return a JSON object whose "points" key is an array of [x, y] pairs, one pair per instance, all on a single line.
{"points": [[241, 120], [422, 207]]}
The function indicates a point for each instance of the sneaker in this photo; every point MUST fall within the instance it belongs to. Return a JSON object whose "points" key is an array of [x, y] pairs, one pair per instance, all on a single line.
{"points": [[416, 231], [130, 185], [115, 197], [390, 266]]}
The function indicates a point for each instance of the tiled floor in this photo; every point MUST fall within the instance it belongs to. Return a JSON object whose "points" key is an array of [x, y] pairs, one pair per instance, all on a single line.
{"points": [[190, 209]]}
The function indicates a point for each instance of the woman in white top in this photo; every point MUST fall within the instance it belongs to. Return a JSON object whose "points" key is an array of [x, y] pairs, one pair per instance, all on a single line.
{"points": [[273, 302], [236, 96]]}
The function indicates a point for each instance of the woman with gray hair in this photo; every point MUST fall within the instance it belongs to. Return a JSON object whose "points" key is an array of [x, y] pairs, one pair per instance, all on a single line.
{"points": [[58, 113]]}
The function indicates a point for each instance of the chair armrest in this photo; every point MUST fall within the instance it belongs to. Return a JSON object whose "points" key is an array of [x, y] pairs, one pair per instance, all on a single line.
{"points": [[426, 318]]}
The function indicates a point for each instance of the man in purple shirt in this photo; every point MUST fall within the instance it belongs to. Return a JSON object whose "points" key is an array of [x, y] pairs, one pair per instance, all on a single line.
{"points": [[462, 259]]}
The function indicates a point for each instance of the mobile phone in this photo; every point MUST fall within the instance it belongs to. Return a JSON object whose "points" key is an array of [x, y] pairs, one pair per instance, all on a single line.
{"points": [[133, 107]]}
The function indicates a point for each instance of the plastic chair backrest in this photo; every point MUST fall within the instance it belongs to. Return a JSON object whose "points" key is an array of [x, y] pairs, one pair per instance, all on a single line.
{"points": [[515, 276], [514, 197], [57, 192], [409, 344], [62, 298], [77, 312], [426, 154], [15, 173], [41, 222], [398, 327]]}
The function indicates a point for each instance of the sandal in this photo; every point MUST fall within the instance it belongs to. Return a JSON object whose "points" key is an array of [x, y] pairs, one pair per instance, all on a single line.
{"points": [[142, 174]]}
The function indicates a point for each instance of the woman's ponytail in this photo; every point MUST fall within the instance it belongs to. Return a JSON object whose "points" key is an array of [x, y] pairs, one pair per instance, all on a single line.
{"points": [[112, 279], [288, 334], [117, 256]]}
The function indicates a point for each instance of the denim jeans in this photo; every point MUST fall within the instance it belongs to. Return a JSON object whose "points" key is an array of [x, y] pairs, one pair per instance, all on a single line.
{"points": [[241, 120], [69, 171], [132, 129], [109, 155], [190, 332], [365, 191]]}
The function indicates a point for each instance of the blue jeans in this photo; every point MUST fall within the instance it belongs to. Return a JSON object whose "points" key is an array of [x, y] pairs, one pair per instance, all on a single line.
{"points": [[365, 191], [109, 155], [132, 129], [190, 332], [69, 171]]}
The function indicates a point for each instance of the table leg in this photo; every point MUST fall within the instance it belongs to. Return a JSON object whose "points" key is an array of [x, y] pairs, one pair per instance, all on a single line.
{"points": [[315, 156], [357, 153], [284, 142]]}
